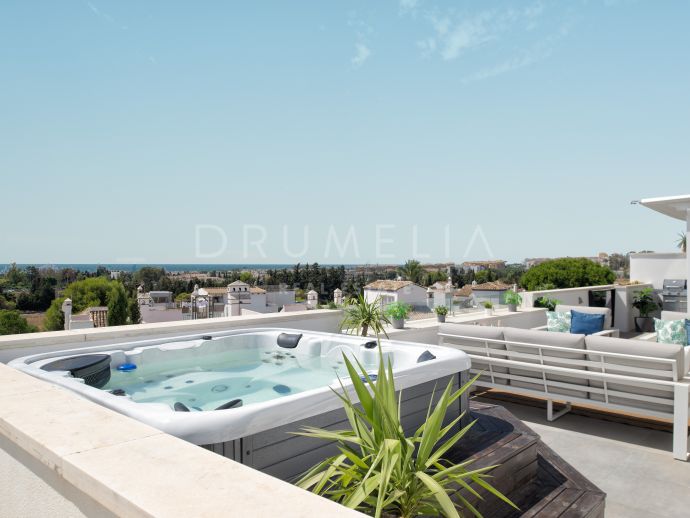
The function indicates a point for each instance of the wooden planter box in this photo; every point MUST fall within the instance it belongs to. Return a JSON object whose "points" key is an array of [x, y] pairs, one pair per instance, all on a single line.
{"points": [[532, 475]]}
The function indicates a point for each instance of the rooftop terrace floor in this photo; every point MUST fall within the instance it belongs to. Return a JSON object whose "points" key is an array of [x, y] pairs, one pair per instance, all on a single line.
{"points": [[632, 464]]}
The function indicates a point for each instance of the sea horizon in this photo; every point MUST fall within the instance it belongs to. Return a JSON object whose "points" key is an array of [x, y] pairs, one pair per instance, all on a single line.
{"points": [[170, 267]]}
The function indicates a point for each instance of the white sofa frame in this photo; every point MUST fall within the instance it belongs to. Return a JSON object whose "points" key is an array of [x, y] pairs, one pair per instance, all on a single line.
{"points": [[638, 377]]}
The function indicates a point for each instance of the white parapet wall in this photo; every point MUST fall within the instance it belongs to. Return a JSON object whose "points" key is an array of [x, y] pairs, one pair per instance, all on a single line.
{"points": [[654, 268], [425, 331], [61, 455], [14, 346]]}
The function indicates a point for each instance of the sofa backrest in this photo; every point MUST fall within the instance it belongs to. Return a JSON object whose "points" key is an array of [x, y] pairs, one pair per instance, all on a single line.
{"points": [[674, 315], [607, 344], [589, 309], [459, 330], [489, 343]]}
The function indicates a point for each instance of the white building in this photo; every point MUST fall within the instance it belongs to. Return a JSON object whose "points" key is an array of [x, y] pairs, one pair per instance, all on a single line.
{"points": [[493, 292], [396, 291], [251, 298], [478, 266]]}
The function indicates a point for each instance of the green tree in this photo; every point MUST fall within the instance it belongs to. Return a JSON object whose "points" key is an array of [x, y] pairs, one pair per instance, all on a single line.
{"points": [[567, 272], [483, 276], [150, 277], [412, 271], [85, 293], [55, 319], [512, 273], [134, 312], [117, 305], [682, 241], [15, 276], [182, 297], [12, 323]]}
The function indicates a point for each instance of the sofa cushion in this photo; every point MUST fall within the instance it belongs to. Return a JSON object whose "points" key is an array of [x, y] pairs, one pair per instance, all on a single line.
{"points": [[590, 309], [616, 365], [586, 323], [478, 347], [671, 331], [514, 337], [558, 321]]}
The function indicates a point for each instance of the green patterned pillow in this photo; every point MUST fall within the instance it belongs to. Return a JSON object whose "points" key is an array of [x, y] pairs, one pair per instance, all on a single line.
{"points": [[558, 321], [670, 331]]}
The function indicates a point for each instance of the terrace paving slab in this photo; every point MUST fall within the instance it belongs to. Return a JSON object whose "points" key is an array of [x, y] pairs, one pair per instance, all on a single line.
{"points": [[632, 464]]}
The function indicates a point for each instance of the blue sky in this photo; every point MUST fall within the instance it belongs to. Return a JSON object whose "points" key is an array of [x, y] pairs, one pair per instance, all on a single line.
{"points": [[476, 129]]}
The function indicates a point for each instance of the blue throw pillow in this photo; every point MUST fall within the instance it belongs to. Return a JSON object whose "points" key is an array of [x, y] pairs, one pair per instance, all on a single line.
{"points": [[687, 329], [586, 323]]}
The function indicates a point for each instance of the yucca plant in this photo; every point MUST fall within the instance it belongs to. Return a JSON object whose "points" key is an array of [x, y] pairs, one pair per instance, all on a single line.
{"points": [[362, 316], [380, 471]]}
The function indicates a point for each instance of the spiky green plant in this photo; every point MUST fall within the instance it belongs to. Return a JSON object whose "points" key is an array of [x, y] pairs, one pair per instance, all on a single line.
{"points": [[682, 241], [380, 470], [362, 316]]}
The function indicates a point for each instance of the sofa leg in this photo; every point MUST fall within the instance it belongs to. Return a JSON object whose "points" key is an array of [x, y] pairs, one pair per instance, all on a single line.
{"points": [[680, 423], [551, 416]]}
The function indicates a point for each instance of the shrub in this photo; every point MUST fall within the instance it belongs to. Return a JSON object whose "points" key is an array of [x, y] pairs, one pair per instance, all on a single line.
{"points": [[567, 272], [487, 304], [134, 312], [511, 297], [441, 310], [643, 301], [546, 302], [13, 323], [398, 310]]}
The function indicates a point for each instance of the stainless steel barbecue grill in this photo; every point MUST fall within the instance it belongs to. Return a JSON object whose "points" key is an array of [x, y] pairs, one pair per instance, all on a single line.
{"points": [[675, 295]]}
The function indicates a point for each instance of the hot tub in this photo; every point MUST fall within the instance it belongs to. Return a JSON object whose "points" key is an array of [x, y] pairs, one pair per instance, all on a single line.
{"points": [[240, 392]]}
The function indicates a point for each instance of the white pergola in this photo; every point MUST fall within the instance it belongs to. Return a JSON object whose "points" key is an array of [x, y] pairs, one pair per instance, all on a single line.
{"points": [[677, 207]]}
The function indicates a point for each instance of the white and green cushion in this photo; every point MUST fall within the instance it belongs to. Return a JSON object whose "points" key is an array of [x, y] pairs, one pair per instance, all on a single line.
{"points": [[558, 321], [671, 331]]}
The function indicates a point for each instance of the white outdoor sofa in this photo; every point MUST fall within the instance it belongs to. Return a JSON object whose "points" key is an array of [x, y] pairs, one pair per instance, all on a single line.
{"points": [[613, 373], [607, 331]]}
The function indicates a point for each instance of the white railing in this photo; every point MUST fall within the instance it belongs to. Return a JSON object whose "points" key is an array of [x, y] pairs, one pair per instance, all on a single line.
{"points": [[598, 367]]}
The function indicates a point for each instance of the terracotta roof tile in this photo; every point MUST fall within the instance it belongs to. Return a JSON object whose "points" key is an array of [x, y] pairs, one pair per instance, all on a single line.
{"points": [[386, 285]]}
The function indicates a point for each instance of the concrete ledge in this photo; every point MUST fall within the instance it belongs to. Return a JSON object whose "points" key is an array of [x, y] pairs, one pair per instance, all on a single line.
{"points": [[14, 346], [129, 469]]}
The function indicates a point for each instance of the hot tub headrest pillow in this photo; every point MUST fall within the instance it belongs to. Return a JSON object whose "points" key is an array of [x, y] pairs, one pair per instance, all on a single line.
{"points": [[288, 340]]}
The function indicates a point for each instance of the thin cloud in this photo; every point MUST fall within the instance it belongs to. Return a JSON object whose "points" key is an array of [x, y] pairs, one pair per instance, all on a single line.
{"points": [[100, 14], [454, 35], [362, 53], [408, 6], [509, 65]]}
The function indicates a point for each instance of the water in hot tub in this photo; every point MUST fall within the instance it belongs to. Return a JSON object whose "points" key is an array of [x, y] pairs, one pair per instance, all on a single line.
{"points": [[217, 379]]}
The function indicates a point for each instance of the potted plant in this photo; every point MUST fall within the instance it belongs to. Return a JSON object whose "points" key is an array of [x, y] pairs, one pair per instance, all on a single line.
{"points": [[397, 312], [383, 472], [362, 316], [644, 302], [441, 312], [546, 302], [488, 308], [513, 300]]}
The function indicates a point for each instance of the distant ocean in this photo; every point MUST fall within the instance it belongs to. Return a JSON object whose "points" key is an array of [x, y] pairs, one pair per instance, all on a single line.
{"points": [[168, 267]]}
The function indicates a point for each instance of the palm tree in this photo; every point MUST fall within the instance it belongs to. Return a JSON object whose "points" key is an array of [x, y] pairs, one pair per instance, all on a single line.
{"points": [[360, 316], [682, 241], [412, 271]]}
